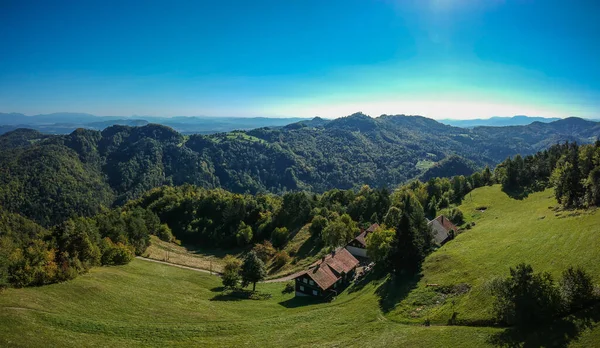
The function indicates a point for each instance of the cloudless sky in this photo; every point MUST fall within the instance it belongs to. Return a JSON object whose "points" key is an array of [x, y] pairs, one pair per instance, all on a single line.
{"points": [[437, 58]]}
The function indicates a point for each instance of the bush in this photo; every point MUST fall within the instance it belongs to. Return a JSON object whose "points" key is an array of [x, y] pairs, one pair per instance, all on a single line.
{"points": [[526, 299], [279, 237], [232, 264], [456, 216], [116, 254], [164, 233], [34, 265], [577, 289], [289, 288], [264, 250], [281, 259], [231, 279]]}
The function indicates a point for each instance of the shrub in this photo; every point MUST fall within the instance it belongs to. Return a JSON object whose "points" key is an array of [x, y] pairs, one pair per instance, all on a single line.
{"points": [[456, 216], [281, 259], [164, 233], [232, 264], [34, 265], [116, 254], [279, 237], [526, 299], [289, 288], [577, 288], [264, 250], [230, 279]]}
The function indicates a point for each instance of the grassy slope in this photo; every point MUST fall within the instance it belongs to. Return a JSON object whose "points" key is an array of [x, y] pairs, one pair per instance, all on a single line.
{"points": [[145, 304], [192, 257], [509, 232], [150, 304]]}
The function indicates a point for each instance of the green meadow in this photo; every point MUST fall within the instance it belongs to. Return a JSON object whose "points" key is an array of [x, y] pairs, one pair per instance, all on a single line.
{"points": [[149, 304]]}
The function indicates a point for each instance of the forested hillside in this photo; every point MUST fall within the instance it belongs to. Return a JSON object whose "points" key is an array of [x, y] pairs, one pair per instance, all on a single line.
{"points": [[51, 178]]}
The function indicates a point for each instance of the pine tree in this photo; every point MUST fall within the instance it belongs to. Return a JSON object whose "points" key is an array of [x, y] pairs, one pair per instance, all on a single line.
{"points": [[412, 240]]}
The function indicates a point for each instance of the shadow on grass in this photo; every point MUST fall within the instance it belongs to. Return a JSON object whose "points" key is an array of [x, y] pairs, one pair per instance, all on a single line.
{"points": [[310, 247], [218, 289], [375, 277], [301, 301], [239, 295], [395, 289], [559, 333], [519, 193]]}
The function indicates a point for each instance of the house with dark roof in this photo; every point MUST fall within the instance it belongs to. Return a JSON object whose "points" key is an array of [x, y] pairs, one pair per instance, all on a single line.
{"points": [[358, 246], [442, 229], [328, 276]]}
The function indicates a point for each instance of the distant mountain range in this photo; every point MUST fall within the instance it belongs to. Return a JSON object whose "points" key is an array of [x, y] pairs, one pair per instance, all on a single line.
{"points": [[65, 123], [87, 169], [498, 121]]}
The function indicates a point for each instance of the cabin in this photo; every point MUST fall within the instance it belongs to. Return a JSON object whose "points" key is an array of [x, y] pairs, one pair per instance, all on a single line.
{"points": [[328, 276], [358, 246], [442, 229]]}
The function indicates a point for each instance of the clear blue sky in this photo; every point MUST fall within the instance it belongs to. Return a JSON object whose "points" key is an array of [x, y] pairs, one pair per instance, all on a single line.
{"points": [[438, 58]]}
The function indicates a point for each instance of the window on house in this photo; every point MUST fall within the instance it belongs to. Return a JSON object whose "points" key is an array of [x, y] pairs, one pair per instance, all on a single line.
{"points": [[305, 280], [311, 282], [315, 292], [301, 288]]}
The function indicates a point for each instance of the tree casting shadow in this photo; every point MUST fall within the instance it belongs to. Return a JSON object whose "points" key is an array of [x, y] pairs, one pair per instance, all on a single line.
{"points": [[395, 289], [301, 301], [239, 295], [559, 333]]}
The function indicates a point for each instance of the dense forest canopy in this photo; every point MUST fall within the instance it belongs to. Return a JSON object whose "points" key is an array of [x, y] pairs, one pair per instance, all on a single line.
{"points": [[51, 178], [80, 231]]}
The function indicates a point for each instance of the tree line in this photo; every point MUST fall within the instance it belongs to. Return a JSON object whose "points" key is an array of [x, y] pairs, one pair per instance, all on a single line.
{"points": [[33, 255]]}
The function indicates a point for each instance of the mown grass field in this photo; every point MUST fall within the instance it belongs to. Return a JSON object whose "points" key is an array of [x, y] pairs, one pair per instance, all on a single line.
{"points": [[506, 233], [148, 304]]}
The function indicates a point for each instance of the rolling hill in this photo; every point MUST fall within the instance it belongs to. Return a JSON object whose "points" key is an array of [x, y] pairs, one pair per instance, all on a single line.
{"points": [[88, 169], [147, 304]]}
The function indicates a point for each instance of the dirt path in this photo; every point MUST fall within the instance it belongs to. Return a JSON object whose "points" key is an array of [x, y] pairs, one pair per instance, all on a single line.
{"points": [[282, 279], [176, 265], [276, 280]]}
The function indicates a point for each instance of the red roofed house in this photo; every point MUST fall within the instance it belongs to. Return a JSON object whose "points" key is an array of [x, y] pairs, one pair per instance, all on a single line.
{"points": [[442, 229], [327, 276], [358, 246]]}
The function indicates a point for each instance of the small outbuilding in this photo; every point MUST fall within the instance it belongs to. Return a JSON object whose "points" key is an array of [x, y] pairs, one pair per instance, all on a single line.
{"points": [[442, 229], [358, 246]]}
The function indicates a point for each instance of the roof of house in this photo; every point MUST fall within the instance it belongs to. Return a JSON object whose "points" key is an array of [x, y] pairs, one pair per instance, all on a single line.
{"points": [[362, 237], [329, 269], [442, 228]]}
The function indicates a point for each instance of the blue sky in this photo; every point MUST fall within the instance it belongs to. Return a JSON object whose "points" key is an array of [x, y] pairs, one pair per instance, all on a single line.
{"points": [[438, 58]]}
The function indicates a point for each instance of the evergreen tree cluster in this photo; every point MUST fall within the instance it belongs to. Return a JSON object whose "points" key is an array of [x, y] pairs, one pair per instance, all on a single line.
{"points": [[573, 170]]}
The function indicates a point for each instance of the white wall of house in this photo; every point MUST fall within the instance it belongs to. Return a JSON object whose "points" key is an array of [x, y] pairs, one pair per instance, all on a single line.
{"points": [[357, 251]]}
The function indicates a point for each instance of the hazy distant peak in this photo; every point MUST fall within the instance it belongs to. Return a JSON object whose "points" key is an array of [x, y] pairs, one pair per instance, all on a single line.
{"points": [[499, 121]]}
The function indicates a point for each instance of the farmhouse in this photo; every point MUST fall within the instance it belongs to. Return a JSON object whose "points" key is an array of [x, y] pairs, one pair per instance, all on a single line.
{"points": [[327, 276], [442, 229], [358, 246]]}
